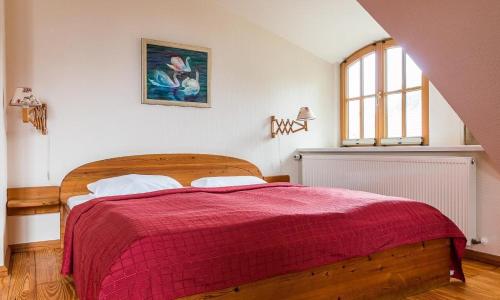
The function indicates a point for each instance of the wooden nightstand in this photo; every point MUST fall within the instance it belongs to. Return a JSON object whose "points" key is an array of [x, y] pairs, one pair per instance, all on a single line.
{"points": [[32, 200]]}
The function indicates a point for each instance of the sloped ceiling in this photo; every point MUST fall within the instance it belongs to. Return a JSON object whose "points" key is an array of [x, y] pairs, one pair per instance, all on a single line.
{"points": [[329, 29], [457, 44]]}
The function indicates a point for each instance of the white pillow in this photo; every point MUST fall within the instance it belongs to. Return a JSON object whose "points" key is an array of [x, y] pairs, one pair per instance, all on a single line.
{"points": [[223, 181], [132, 184]]}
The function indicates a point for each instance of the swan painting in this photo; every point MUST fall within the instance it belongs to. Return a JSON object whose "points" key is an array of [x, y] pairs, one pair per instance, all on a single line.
{"points": [[175, 74], [178, 65], [162, 79], [191, 86]]}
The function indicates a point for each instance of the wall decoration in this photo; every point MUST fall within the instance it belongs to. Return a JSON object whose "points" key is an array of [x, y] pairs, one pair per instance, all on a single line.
{"points": [[175, 74]]}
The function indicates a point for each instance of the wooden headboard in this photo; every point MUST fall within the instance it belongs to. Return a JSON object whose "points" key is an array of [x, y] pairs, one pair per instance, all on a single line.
{"points": [[183, 167]]}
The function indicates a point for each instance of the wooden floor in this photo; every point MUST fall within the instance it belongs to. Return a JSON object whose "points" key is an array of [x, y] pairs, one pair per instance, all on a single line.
{"points": [[35, 275], [482, 283]]}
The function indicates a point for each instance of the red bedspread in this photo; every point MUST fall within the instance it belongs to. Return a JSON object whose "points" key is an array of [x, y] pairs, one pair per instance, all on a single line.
{"points": [[174, 243]]}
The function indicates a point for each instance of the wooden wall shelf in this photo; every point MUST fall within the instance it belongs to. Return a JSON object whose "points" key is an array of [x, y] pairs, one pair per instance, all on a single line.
{"points": [[32, 200], [277, 178]]}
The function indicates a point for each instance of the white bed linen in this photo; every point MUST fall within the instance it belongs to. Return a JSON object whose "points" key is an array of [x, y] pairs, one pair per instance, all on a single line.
{"points": [[76, 200], [223, 181]]}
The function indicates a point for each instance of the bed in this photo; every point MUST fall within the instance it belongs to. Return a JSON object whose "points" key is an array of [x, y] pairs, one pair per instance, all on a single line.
{"points": [[269, 241]]}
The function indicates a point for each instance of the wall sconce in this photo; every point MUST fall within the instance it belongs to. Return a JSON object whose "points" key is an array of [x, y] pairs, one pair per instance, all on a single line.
{"points": [[283, 126], [33, 110]]}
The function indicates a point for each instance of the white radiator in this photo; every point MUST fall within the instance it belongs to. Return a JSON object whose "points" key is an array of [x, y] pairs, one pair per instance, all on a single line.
{"points": [[447, 183]]}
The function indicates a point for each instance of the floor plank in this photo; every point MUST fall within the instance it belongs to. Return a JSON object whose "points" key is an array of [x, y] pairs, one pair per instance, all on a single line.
{"points": [[47, 261], [50, 284], [35, 275], [22, 285], [61, 289], [473, 268], [482, 282]]}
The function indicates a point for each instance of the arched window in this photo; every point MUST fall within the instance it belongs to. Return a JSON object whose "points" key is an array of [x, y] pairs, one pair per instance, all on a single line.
{"points": [[384, 97]]}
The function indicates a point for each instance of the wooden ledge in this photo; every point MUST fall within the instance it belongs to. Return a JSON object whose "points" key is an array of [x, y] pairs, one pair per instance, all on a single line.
{"points": [[392, 149], [277, 178], [32, 200], [21, 203]]}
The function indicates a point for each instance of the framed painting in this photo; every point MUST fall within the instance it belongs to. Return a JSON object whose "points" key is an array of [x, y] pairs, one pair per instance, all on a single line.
{"points": [[175, 74]]}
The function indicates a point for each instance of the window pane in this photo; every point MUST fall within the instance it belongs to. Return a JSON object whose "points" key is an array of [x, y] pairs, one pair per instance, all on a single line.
{"points": [[413, 73], [394, 65], [369, 74], [414, 114], [369, 117], [353, 78], [354, 119], [394, 115]]}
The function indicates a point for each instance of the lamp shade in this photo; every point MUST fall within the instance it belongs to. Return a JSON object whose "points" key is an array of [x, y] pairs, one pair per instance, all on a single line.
{"points": [[305, 113], [23, 96]]}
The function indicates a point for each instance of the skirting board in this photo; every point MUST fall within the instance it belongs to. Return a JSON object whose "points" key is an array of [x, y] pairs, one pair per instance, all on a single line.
{"points": [[35, 246], [4, 270], [482, 257], [25, 247]]}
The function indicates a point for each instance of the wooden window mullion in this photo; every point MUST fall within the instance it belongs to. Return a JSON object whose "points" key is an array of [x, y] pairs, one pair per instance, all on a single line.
{"points": [[425, 109], [379, 98], [344, 127]]}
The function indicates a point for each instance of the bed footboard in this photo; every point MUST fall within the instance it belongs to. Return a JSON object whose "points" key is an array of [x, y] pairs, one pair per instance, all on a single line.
{"points": [[390, 274]]}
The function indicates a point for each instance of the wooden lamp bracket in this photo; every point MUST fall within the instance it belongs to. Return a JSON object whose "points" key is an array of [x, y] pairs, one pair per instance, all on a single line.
{"points": [[287, 126], [36, 115]]}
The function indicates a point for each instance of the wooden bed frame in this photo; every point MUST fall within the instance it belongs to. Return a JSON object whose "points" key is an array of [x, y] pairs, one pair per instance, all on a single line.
{"points": [[390, 274]]}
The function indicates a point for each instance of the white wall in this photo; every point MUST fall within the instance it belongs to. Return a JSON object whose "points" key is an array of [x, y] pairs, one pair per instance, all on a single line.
{"points": [[445, 127], [83, 59], [3, 141], [488, 204], [23, 229]]}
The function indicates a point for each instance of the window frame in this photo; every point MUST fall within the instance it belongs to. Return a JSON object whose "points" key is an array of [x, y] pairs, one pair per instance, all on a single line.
{"points": [[380, 95]]}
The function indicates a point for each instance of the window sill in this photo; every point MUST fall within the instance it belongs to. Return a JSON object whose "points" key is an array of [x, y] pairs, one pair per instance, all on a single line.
{"points": [[394, 149]]}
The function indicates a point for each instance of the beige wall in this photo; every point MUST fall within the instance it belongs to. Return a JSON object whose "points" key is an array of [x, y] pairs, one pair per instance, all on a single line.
{"points": [[83, 59]]}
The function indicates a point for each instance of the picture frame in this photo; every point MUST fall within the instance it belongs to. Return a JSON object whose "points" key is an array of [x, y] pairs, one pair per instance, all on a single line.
{"points": [[175, 74]]}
